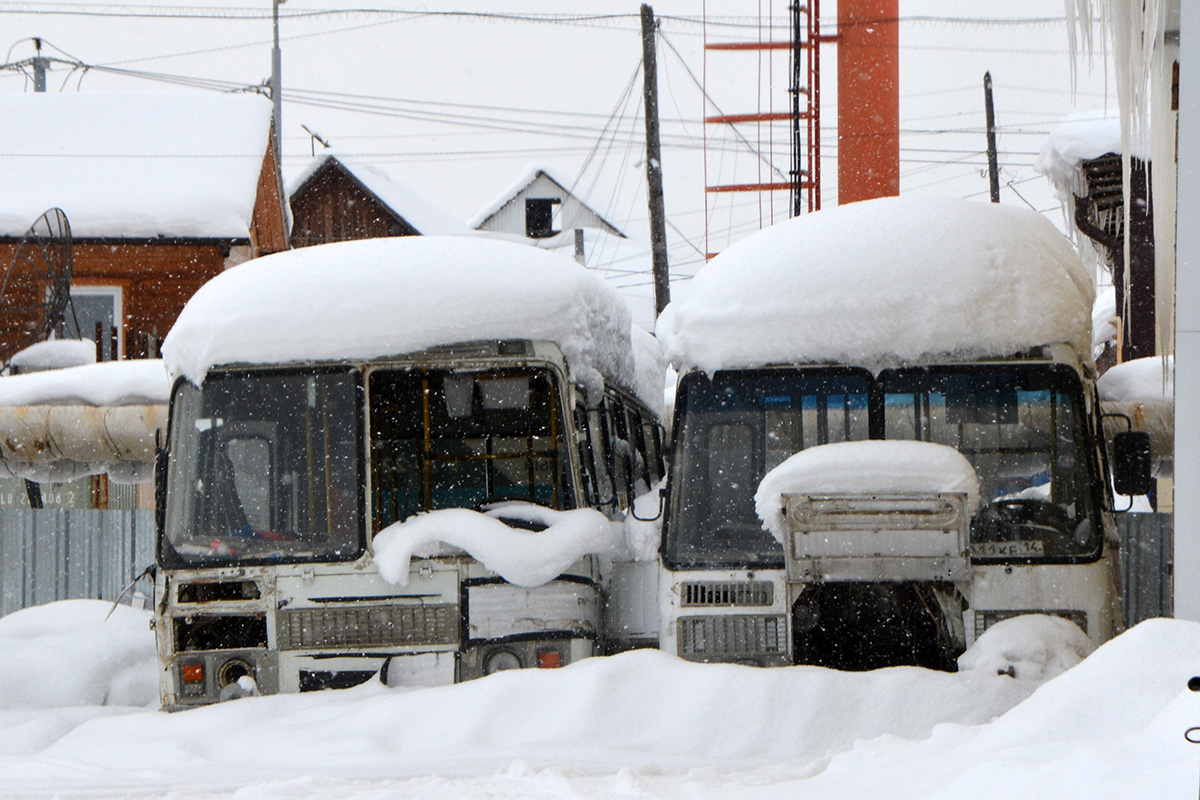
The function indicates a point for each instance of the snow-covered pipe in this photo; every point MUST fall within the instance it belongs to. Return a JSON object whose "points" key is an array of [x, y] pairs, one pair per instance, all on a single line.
{"points": [[90, 434]]}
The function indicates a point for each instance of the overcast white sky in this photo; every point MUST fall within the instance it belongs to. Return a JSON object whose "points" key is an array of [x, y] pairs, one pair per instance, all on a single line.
{"points": [[458, 105]]}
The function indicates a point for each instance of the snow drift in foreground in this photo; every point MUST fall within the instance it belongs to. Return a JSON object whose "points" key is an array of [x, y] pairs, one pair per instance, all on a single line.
{"points": [[522, 557], [908, 278], [870, 467], [385, 297], [68, 654], [645, 724]]}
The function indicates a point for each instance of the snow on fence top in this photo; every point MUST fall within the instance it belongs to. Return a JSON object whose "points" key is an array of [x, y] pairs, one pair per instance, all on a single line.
{"points": [[133, 165], [383, 297], [55, 354], [896, 279], [868, 467]]}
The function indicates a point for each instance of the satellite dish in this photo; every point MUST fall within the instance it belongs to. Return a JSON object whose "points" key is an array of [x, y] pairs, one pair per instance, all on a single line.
{"points": [[35, 296]]}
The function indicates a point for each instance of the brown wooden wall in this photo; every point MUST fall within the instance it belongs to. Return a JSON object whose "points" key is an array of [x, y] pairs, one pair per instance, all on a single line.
{"points": [[156, 281], [332, 207]]}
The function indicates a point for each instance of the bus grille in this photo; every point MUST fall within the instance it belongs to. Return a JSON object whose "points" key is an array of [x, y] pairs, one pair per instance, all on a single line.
{"points": [[727, 593], [731, 636], [986, 619], [370, 626]]}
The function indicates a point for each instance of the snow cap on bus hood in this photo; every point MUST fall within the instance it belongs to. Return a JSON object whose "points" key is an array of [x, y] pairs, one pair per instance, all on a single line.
{"points": [[891, 279], [381, 297]]}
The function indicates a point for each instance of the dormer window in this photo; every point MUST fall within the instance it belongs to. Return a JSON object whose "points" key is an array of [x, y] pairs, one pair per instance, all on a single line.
{"points": [[541, 216]]}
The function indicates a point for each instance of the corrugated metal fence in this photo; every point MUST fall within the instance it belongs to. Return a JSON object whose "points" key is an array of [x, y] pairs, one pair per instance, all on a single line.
{"points": [[58, 554], [1146, 561]]}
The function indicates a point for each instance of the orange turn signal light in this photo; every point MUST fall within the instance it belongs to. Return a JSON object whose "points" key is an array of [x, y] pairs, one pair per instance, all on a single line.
{"points": [[192, 673], [549, 659]]}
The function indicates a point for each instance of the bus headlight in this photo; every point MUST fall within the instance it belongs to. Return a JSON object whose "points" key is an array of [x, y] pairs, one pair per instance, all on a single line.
{"points": [[501, 659], [233, 670]]}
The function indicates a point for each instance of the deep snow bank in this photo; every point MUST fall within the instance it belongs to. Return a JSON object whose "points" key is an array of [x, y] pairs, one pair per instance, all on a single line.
{"points": [[1110, 727], [68, 654], [909, 278]]}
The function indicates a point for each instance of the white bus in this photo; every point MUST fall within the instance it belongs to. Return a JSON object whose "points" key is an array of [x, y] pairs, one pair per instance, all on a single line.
{"points": [[961, 324], [325, 394]]}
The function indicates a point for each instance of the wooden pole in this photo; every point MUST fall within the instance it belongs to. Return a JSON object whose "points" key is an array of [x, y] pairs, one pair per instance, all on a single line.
{"points": [[993, 166], [658, 223]]}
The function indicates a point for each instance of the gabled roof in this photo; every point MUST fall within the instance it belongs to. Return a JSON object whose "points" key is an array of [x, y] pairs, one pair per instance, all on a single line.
{"points": [[170, 164], [530, 175], [397, 197]]}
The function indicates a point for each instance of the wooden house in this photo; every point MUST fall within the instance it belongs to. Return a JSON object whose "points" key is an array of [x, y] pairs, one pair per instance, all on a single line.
{"points": [[338, 197], [162, 192]]}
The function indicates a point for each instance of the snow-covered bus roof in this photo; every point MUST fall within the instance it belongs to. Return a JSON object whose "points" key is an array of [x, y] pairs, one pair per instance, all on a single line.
{"points": [[907, 279], [383, 297]]}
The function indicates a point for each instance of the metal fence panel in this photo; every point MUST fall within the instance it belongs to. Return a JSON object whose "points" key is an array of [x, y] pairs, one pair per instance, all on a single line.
{"points": [[1146, 541], [60, 554]]}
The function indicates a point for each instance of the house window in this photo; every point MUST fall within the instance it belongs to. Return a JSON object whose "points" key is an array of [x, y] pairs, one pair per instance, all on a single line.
{"points": [[98, 312], [542, 216]]}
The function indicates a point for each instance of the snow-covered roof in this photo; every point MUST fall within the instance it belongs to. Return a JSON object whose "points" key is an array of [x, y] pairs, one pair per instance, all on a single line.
{"points": [[1077, 138], [909, 279], [405, 203], [380, 297], [109, 383], [527, 177], [868, 467], [133, 165]]}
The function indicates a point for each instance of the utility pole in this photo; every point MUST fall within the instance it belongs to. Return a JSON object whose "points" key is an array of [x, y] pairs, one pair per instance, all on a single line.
{"points": [[40, 64], [993, 168], [277, 118], [658, 222], [276, 90]]}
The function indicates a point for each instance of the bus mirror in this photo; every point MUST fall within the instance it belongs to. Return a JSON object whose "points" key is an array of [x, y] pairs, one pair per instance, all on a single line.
{"points": [[657, 514], [1131, 463], [160, 483]]}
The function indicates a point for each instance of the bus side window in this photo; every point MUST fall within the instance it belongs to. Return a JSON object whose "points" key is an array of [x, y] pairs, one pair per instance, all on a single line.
{"points": [[654, 451], [622, 450], [641, 464], [602, 458], [587, 458]]}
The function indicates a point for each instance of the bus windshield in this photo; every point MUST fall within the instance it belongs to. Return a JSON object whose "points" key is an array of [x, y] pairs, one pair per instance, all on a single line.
{"points": [[264, 468], [1022, 428], [732, 430], [456, 439]]}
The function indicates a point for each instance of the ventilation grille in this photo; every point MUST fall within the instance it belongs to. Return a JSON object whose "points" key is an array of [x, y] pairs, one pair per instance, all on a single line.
{"points": [[372, 626], [986, 619], [728, 593], [731, 636]]}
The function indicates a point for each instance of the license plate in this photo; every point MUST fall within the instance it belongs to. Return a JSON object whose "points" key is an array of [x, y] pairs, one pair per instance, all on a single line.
{"points": [[1022, 549]]}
